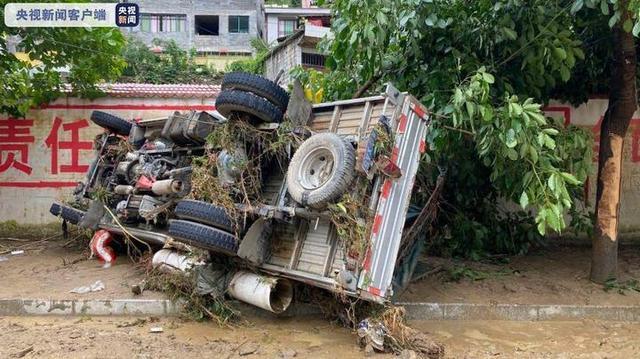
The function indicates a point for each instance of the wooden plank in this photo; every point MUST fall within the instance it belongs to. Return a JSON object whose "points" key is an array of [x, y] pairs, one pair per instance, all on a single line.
{"points": [[364, 122], [333, 126]]}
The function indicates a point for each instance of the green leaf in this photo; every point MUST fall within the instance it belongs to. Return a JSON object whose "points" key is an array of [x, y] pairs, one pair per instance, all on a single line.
{"points": [[470, 109], [551, 182], [511, 141], [636, 29], [534, 154], [354, 38], [571, 179], [627, 25], [604, 7], [431, 20], [564, 73], [577, 5], [549, 142], [512, 154], [488, 78], [510, 33], [560, 53], [342, 207], [524, 200], [614, 19]]}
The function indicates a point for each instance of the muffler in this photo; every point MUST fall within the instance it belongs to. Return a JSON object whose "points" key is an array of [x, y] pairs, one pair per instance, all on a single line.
{"points": [[167, 260], [168, 186], [269, 293]]}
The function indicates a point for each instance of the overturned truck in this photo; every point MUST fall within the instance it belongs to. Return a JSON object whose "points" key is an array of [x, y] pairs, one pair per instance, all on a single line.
{"points": [[327, 209]]}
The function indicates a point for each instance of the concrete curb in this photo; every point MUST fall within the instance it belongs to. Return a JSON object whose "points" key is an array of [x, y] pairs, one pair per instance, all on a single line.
{"points": [[519, 312], [131, 307], [415, 311], [92, 307]]}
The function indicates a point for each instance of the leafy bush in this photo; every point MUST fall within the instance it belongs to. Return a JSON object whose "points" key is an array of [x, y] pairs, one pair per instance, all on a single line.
{"points": [[254, 65], [174, 65], [483, 68]]}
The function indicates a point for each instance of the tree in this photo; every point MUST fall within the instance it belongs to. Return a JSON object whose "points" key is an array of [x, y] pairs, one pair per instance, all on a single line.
{"points": [[479, 65], [622, 104], [173, 66], [92, 56]]}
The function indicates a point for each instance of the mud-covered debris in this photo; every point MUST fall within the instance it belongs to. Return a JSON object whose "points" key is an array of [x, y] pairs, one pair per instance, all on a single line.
{"points": [[95, 287], [408, 354], [23, 352], [247, 348], [288, 354], [134, 323]]}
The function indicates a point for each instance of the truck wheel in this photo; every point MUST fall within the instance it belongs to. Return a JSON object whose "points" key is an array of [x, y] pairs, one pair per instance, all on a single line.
{"points": [[112, 123], [201, 236], [205, 213], [239, 101], [257, 85], [70, 214], [321, 170]]}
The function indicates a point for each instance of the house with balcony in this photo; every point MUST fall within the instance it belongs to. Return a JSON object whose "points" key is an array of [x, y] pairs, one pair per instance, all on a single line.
{"points": [[220, 31], [283, 21]]}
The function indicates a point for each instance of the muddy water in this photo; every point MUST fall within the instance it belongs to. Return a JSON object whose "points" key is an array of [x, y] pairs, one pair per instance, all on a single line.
{"points": [[501, 339], [124, 338]]}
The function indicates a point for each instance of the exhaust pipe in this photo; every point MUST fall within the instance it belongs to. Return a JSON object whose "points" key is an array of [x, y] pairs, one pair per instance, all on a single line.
{"points": [[168, 186], [269, 293], [167, 261]]}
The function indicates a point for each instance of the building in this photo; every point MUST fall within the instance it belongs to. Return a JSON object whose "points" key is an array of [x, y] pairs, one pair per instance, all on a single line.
{"points": [[219, 31], [284, 21], [300, 48]]}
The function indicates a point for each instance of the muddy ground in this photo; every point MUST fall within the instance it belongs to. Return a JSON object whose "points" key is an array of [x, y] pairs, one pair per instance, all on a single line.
{"points": [[554, 275], [97, 337], [53, 269], [551, 276]]}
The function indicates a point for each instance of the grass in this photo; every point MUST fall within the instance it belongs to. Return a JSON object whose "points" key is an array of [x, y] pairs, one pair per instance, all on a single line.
{"points": [[12, 229], [457, 273], [621, 287]]}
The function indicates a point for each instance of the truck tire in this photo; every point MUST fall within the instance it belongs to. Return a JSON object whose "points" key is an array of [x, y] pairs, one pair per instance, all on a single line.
{"points": [[239, 101], [205, 213], [70, 214], [112, 123], [201, 236], [321, 170], [257, 85]]}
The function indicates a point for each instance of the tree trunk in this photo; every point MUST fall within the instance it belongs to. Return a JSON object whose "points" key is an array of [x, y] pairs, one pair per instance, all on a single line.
{"points": [[622, 105]]}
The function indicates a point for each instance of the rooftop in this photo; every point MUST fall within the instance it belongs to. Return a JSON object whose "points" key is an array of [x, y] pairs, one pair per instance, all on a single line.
{"points": [[300, 11], [152, 90]]}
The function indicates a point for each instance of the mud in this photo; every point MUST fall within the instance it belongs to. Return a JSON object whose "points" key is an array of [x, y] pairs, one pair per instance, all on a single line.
{"points": [[556, 275], [131, 338], [502, 339], [49, 273]]}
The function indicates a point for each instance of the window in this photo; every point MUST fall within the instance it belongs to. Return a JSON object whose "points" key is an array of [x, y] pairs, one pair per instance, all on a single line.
{"points": [[286, 26], [206, 25], [163, 22], [314, 60], [238, 24]]}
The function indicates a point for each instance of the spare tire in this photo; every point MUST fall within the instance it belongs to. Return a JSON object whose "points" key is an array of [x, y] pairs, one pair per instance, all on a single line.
{"points": [[257, 85], [206, 213], [230, 101], [321, 170], [205, 237], [70, 214], [112, 123]]}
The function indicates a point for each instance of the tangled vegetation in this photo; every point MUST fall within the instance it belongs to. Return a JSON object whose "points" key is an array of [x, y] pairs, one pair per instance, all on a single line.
{"points": [[483, 68], [172, 66]]}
